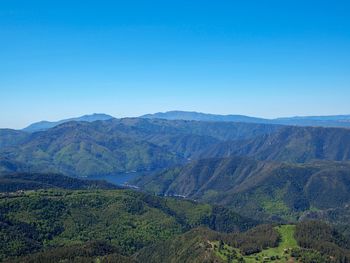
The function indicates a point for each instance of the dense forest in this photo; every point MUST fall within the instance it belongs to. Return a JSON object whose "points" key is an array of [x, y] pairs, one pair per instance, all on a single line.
{"points": [[32, 221], [128, 226], [257, 188], [12, 182]]}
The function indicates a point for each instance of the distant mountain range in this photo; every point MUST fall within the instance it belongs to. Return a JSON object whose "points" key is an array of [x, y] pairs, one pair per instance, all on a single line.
{"points": [[198, 116], [44, 125], [319, 121], [316, 121]]}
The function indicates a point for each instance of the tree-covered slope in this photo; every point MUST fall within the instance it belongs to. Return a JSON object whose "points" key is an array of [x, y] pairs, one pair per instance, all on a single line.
{"points": [[40, 220], [310, 242], [291, 144], [12, 182], [191, 247], [89, 252], [205, 245], [12, 166], [339, 217], [10, 137], [319, 240], [126, 226], [257, 188], [81, 149]]}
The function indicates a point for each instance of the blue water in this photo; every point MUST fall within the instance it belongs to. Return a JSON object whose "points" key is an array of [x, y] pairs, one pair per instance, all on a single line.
{"points": [[117, 179]]}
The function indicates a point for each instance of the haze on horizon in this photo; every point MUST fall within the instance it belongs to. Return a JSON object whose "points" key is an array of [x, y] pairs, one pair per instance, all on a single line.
{"points": [[61, 60]]}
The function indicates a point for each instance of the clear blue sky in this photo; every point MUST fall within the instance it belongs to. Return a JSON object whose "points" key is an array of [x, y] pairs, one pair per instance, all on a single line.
{"points": [[264, 58]]}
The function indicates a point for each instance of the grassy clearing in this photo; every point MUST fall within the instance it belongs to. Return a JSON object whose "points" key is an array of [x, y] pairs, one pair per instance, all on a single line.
{"points": [[277, 254], [280, 253], [225, 252]]}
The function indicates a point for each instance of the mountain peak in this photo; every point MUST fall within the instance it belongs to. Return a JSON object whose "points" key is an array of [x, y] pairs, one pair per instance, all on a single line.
{"points": [[44, 125]]}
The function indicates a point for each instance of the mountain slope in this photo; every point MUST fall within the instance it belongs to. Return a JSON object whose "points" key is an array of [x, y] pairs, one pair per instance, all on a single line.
{"points": [[44, 125], [41, 220], [339, 217], [11, 166], [308, 242], [89, 252], [257, 188], [81, 148], [10, 137], [292, 144], [191, 247], [30, 181]]}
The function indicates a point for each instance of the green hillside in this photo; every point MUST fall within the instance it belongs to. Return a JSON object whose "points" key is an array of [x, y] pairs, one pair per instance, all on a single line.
{"points": [[280, 253], [257, 188], [12, 182], [264, 243], [10, 137], [36, 220], [127, 226], [204, 245], [291, 144], [80, 149], [191, 247]]}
